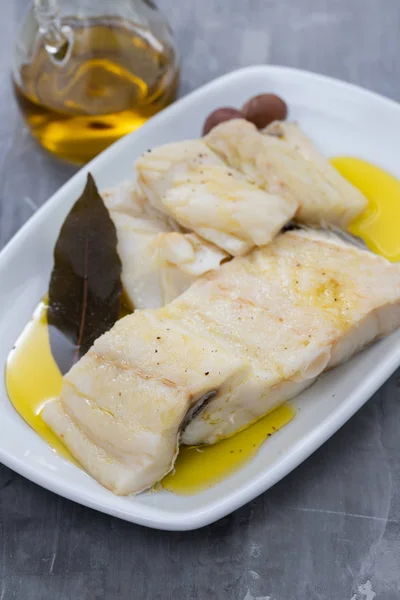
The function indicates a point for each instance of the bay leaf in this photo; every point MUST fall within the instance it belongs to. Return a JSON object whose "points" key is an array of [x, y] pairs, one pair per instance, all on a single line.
{"points": [[85, 285]]}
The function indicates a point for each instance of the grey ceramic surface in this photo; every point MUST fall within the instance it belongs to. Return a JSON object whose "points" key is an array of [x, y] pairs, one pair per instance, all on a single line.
{"points": [[329, 531]]}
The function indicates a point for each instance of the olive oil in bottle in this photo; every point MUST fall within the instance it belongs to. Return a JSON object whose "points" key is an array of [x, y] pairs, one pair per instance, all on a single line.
{"points": [[113, 78]]}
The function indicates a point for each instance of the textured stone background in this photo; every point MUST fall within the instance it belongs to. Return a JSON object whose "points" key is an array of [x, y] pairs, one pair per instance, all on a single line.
{"points": [[329, 531]]}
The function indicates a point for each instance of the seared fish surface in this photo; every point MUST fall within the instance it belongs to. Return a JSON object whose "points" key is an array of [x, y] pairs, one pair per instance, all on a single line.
{"points": [[237, 343]]}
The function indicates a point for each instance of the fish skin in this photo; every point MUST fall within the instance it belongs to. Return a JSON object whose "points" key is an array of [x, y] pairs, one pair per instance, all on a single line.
{"points": [[283, 161], [188, 182], [258, 330]]}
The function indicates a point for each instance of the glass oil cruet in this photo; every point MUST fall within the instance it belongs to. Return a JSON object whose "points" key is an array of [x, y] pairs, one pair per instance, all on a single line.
{"points": [[86, 72]]}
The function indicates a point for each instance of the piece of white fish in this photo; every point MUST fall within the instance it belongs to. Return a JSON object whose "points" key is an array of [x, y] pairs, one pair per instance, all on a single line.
{"points": [[123, 404], [355, 202], [190, 253], [305, 304], [159, 261], [239, 342], [283, 161], [188, 182]]}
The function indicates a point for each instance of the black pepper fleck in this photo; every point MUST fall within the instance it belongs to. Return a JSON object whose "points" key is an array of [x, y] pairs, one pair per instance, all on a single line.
{"points": [[208, 372]]}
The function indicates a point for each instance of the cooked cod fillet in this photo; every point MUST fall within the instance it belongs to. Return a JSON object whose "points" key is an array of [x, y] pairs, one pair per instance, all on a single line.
{"points": [[291, 133], [240, 341], [188, 182], [159, 261], [304, 304], [123, 405], [283, 161], [190, 253]]}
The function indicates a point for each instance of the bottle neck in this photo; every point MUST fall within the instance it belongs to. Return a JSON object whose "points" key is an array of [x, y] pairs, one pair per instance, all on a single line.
{"points": [[57, 38]]}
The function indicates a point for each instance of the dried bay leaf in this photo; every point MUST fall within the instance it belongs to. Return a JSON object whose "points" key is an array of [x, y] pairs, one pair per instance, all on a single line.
{"points": [[85, 285]]}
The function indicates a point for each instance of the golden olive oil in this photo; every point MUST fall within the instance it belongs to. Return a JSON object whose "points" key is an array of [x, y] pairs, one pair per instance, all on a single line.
{"points": [[200, 467], [115, 78], [33, 378], [378, 226]]}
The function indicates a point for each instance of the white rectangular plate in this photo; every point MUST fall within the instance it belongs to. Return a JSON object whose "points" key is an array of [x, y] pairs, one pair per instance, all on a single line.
{"points": [[341, 119]]}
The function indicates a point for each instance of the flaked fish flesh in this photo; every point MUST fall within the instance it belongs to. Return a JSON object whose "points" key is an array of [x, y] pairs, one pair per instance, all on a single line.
{"points": [[283, 161], [239, 342], [188, 182]]}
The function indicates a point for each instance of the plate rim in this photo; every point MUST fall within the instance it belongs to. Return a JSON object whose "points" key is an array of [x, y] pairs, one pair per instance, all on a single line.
{"points": [[303, 448]]}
